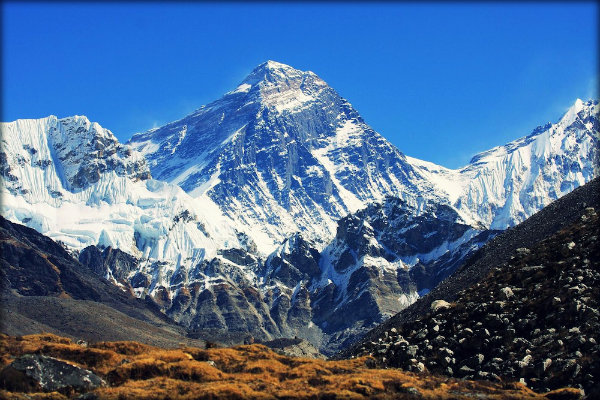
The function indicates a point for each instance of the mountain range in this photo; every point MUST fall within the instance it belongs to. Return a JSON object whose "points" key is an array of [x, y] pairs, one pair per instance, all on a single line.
{"points": [[276, 211]]}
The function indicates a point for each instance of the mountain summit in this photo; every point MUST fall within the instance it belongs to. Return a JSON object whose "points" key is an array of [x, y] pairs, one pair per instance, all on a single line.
{"points": [[281, 153], [275, 72]]}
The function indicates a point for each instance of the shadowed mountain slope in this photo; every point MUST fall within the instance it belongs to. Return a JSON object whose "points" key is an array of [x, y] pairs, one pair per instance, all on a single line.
{"points": [[45, 289]]}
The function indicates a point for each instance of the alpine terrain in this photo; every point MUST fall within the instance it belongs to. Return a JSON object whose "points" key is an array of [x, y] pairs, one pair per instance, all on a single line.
{"points": [[276, 211]]}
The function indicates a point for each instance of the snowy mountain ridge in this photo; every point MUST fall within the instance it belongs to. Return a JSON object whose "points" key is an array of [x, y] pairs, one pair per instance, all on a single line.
{"points": [[278, 211], [504, 185], [71, 180]]}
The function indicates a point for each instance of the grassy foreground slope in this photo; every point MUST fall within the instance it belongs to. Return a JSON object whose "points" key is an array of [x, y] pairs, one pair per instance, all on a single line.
{"points": [[133, 370]]}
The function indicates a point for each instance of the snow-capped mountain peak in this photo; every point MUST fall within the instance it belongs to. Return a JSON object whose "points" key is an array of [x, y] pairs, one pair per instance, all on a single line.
{"points": [[282, 87], [579, 113], [273, 72], [281, 153]]}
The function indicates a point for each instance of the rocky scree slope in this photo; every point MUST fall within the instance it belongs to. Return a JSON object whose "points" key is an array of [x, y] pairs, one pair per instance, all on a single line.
{"points": [[534, 318]]}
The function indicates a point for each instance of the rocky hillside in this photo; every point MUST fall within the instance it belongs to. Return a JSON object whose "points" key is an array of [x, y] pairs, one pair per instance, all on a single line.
{"points": [[51, 367], [534, 318], [558, 215]]}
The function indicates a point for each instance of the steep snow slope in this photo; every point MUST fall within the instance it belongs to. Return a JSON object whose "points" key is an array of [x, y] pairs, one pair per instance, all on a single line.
{"points": [[71, 180], [282, 153], [503, 186]]}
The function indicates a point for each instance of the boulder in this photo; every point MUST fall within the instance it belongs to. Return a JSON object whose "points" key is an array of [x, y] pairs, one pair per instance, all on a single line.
{"points": [[437, 305], [507, 292], [37, 373]]}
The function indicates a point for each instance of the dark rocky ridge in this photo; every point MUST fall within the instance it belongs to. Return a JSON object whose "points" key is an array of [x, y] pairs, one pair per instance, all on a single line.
{"points": [[557, 215], [45, 289], [108, 262], [535, 316]]}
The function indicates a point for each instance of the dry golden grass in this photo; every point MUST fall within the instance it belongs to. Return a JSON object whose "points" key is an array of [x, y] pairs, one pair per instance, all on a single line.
{"points": [[136, 371], [31, 396], [125, 348]]}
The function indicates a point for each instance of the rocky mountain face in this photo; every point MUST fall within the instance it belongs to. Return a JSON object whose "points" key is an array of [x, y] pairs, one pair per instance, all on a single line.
{"points": [[282, 153], [299, 291], [279, 212], [75, 155], [533, 318], [379, 261]]}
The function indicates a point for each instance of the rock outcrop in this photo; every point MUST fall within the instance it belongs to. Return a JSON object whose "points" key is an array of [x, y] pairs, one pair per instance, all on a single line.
{"points": [[39, 373]]}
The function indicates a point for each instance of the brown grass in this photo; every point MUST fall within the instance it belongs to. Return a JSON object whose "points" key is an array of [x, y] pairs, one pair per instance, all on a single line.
{"points": [[4, 395], [135, 371]]}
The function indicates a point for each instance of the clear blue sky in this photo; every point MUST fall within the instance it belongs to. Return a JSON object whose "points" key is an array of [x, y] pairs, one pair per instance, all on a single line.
{"points": [[442, 81]]}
